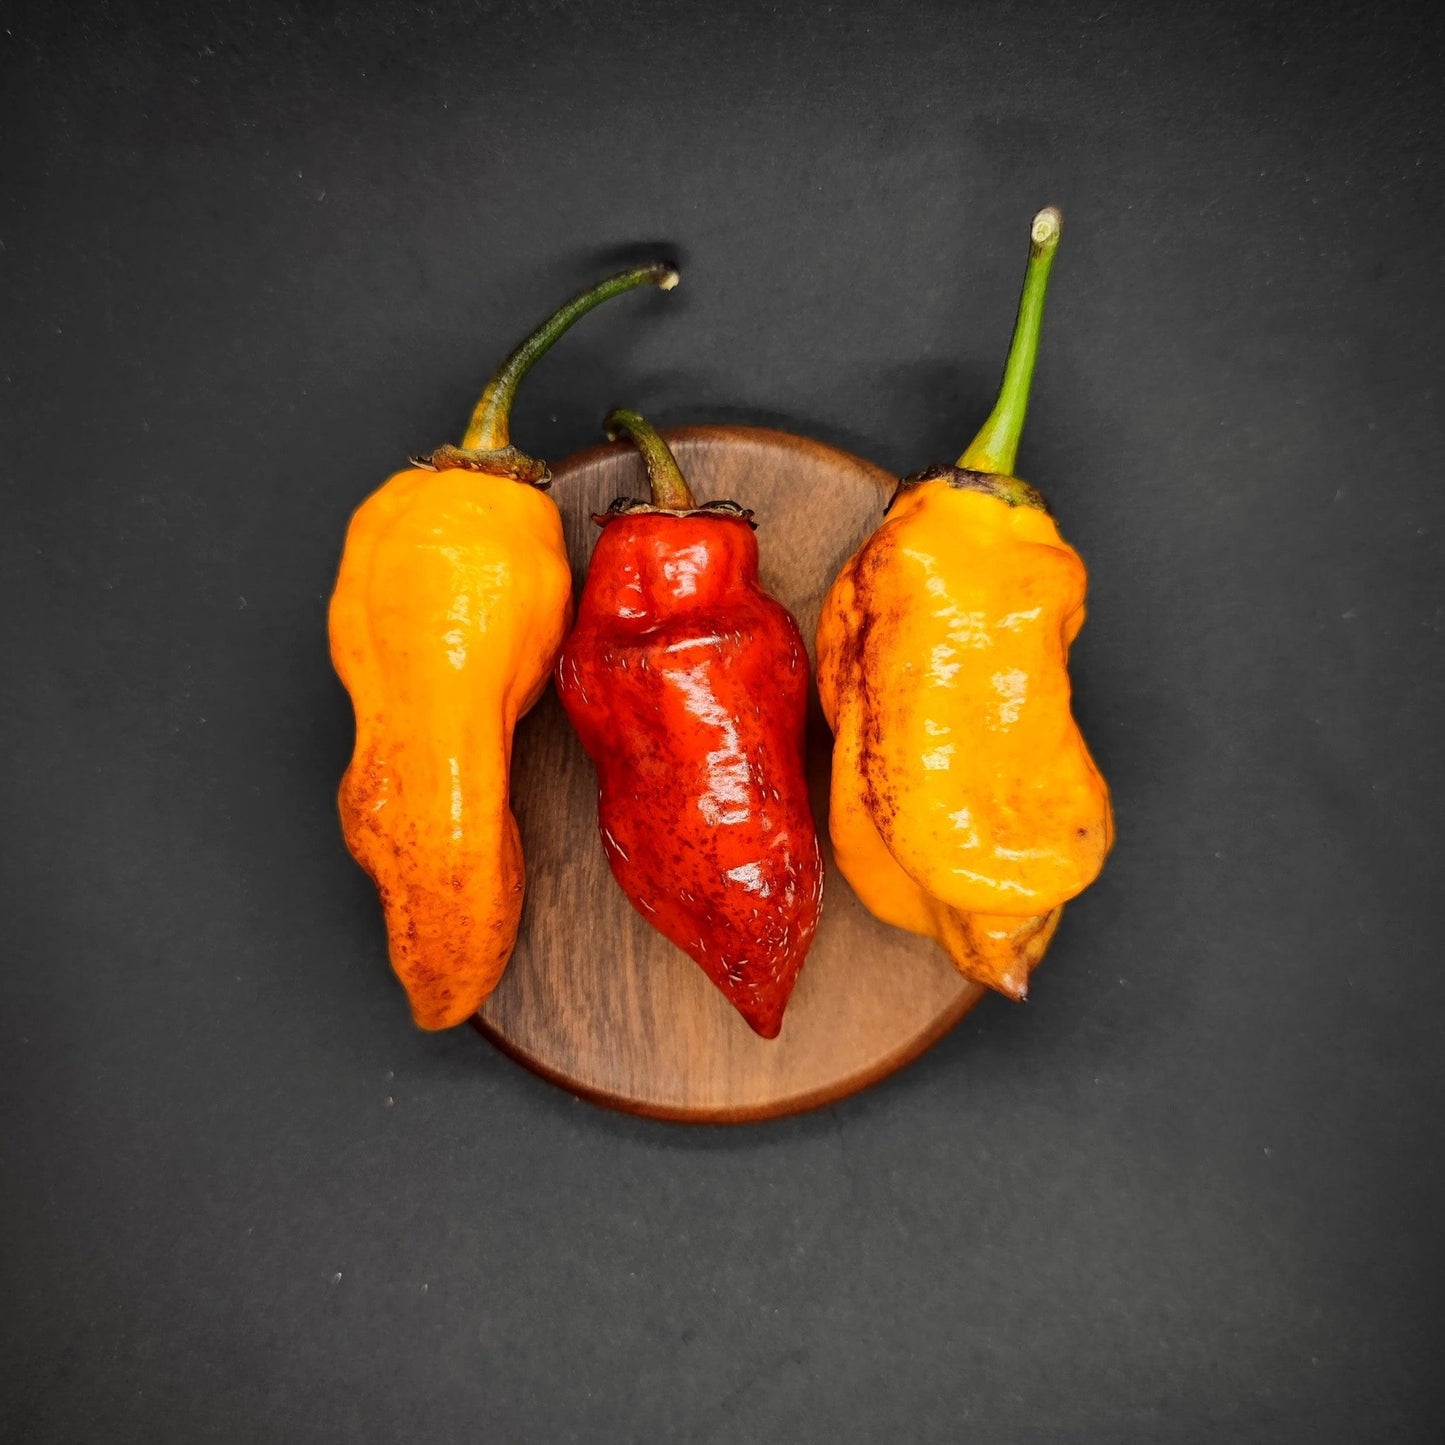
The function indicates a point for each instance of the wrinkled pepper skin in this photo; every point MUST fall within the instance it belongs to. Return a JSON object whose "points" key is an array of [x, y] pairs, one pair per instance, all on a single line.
{"points": [[687, 685], [965, 804], [453, 599]]}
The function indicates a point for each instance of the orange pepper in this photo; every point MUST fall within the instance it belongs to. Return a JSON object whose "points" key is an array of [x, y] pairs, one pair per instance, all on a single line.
{"points": [[964, 802], [453, 598]]}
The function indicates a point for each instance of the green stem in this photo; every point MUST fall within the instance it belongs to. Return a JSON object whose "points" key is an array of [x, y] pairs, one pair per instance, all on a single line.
{"points": [[490, 426], [996, 446], [669, 487]]}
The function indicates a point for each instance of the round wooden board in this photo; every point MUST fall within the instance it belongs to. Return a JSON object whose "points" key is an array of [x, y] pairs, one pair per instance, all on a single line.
{"points": [[596, 1000]]}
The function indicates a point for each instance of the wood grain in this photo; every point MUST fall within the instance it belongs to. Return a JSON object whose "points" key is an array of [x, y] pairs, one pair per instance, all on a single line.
{"points": [[593, 998]]}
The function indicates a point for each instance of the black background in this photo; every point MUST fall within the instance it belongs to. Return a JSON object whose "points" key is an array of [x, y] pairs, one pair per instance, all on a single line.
{"points": [[254, 254]]}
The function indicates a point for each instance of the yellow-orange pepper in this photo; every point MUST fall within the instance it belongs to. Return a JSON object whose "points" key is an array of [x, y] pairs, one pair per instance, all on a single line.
{"points": [[964, 803], [453, 598]]}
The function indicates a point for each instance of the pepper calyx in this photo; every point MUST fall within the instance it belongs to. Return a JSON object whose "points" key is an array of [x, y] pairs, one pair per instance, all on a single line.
{"points": [[1012, 490], [636, 506], [497, 461]]}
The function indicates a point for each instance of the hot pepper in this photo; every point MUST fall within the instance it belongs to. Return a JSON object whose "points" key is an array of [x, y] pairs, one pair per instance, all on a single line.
{"points": [[688, 686], [964, 803], [453, 597]]}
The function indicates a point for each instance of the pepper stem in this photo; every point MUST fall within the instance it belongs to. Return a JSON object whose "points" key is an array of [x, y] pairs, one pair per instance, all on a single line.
{"points": [[490, 428], [996, 446], [669, 487]]}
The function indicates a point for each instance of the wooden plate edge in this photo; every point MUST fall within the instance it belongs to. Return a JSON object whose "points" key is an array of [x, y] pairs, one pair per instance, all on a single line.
{"points": [[799, 1103]]}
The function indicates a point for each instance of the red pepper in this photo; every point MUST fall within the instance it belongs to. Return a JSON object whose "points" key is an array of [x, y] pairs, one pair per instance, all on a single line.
{"points": [[688, 686]]}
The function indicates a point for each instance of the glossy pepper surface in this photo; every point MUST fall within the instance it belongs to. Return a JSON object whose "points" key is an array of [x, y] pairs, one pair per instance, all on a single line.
{"points": [[964, 802], [453, 597], [688, 686]]}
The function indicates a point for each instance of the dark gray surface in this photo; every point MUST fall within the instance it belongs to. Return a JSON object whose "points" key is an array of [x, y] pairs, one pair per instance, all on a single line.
{"points": [[251, 257]]}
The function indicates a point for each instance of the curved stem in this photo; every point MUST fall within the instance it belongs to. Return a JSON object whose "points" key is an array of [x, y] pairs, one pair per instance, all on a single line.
{"points": [[490, 426], [669, 486], [996, 446]]}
